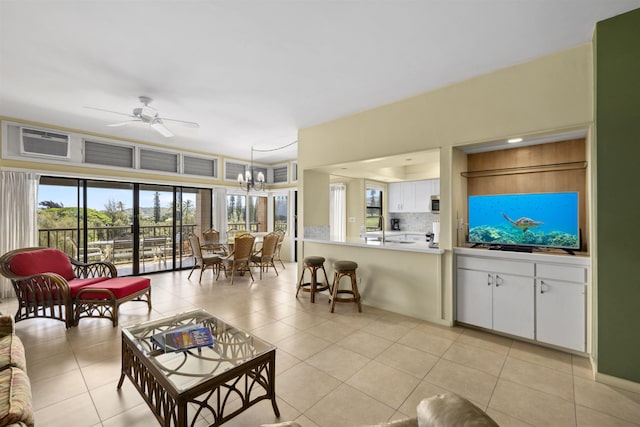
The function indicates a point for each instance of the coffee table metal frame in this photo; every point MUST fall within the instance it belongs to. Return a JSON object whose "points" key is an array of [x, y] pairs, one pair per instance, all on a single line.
{"points": [[246, 377]]}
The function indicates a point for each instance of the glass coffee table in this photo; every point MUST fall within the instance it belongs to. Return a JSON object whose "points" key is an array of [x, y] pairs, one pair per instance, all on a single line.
{"points": [[212, 383]]}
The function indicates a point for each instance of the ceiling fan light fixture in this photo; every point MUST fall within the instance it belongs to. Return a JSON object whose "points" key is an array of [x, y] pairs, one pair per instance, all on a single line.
{"points": [[157, 125]]}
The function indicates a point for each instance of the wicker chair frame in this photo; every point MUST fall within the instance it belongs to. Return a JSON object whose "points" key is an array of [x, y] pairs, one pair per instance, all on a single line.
{"points": [[47, 295], [240, 258]]}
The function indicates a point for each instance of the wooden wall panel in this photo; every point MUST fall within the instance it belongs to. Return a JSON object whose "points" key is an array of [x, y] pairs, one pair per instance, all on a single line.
{"points": [[517, 170]]}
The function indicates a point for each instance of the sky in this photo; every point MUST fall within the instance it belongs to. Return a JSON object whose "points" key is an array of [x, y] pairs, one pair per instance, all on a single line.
{"points": [[97, 198]]}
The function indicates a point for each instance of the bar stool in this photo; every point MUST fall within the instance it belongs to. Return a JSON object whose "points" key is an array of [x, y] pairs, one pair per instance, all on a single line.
{"points": [[313, 264], [344, 269]]}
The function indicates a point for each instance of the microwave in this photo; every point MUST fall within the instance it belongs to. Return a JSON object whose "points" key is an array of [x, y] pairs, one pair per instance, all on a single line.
{"points": [[435, 204]]}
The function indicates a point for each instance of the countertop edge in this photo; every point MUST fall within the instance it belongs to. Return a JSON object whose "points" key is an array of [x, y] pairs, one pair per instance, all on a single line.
{"points": [[564, 258], [387, 246]]}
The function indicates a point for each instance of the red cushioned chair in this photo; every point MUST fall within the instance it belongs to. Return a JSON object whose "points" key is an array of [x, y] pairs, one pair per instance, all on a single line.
{"points": [[47, 281]]}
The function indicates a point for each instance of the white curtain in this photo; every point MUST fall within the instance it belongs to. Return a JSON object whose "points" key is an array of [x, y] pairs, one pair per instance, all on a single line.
{"points": [[220, 211], [18, 215], [338, 212]]}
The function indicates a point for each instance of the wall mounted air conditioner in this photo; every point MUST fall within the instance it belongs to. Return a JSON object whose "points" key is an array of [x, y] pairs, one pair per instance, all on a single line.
{"points": [[41, 143]]}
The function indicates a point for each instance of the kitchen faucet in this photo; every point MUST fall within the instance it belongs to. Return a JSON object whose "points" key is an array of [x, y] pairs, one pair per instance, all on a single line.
{"points": [[381, 219]]}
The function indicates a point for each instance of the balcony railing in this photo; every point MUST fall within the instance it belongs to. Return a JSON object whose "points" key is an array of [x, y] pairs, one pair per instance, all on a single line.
{"points": [[66, 239]]}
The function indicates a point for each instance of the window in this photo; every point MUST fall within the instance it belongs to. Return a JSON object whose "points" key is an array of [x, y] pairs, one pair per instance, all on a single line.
{"points": [[236, 212], [337, 212], [373, 219], [280, 212]]}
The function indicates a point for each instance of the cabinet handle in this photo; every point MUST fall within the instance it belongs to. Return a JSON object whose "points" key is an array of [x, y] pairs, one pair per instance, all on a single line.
{"points": [[541, 287], [498, 280], [489, 279]]}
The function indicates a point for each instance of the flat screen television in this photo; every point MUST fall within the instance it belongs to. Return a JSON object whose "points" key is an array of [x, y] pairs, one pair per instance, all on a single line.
{"points": [[545, 220]]}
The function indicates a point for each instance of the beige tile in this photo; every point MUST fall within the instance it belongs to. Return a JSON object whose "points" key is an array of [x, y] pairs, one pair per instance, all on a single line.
{"points": [[425, 342], [110, 401], [408, 359], [581, 367], [332, 330], [347, 407], [274, 332], [475, 357], [587, 417], [262, 413], [485, 340], [302, 320], [543, 356], [57, 389], [56, 364], [303, 385], [101, 373], [384, 383], [365, 344], [536, 407], [338, 362], [305, 422], [388, 329], [606, 399], [251, 321], [470, 383], [285, 361], [451, 333], [139, 415], [539, 378], [303, 345], [504, 420], [77, 411]]}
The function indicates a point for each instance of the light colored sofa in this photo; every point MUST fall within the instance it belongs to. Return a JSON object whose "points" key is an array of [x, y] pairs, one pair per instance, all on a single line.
{"points": [[15, 389], [442, 410]]}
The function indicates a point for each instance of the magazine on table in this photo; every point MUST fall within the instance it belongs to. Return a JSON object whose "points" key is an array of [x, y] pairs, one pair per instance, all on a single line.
{"points": [[183, 338]]}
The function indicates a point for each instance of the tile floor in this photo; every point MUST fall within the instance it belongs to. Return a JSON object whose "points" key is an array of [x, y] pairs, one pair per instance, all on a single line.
{"points": [[341, 369]]}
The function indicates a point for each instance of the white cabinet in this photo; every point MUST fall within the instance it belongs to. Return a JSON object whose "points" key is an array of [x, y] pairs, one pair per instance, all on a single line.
{"points": [[541, 300], [489, 297], [412, 196], [422, 194], [561, 306]]}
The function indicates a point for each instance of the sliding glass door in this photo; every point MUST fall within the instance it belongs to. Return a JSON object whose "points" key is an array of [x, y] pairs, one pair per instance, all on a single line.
{"points": [[141, 228]]}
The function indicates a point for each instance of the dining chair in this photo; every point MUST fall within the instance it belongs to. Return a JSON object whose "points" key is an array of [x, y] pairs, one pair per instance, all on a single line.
{"points": [[239, 259], [202, 261], [263, 257], [211, 242], [276, 255]]}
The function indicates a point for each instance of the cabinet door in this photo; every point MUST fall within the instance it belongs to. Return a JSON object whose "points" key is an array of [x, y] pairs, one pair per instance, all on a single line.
{"points": [[422, 196], [513, 305], [560, 314], [395, 197], [409, 196], [473, 299]]}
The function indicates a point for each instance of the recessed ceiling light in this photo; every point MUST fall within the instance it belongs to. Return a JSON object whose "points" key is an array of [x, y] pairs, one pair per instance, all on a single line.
{"points": [[514, 140]]}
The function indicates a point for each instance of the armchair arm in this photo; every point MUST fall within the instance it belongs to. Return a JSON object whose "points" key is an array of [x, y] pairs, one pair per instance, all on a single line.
{"points": [[94, 269]]}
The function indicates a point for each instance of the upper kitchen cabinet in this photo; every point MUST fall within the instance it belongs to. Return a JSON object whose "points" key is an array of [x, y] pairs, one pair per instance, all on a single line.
{"points": [[412, 196]]}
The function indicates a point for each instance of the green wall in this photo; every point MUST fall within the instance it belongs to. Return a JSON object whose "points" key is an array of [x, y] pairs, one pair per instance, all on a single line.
{"points": [[617, 113]]}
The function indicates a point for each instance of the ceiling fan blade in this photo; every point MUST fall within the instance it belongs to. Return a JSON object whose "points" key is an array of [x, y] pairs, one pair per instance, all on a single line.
{"points": [[108, 111], [182, 122], [114, 125], [159, 127]]}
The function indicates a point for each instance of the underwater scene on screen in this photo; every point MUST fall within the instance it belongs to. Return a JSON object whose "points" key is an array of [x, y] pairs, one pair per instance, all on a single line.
{"points": [[541, 219]]}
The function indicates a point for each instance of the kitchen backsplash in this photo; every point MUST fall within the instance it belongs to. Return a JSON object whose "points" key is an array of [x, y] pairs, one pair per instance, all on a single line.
{"points": [[414, 221]]}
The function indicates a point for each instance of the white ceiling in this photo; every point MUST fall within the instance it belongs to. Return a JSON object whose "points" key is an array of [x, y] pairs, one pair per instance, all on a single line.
{"points": [[253, 72]]}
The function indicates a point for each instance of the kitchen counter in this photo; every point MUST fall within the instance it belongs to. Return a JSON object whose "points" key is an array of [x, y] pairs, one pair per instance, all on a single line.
{"points": [[405, 278], [392, 242]]}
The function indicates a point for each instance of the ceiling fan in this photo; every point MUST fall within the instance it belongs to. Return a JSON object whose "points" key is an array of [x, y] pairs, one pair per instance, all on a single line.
{"points": [[149, 115]]}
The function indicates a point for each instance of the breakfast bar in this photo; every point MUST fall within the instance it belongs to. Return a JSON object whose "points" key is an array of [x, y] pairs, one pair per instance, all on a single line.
{"points": [[393, 275]]}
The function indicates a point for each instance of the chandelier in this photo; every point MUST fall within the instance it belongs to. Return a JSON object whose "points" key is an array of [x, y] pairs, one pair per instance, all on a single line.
{"points": [[249, 179]]}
